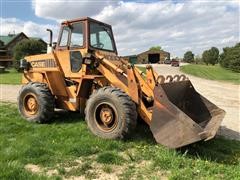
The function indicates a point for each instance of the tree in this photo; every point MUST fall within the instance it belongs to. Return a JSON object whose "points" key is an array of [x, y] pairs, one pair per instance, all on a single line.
{"points": [[230, 58], [211, 56], [214, 55], [188, 57], [155, 48], [205, 57], [27, 47]]}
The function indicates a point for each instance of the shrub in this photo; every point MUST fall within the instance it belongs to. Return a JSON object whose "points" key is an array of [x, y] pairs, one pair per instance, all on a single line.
{"points": [[27, 47]]}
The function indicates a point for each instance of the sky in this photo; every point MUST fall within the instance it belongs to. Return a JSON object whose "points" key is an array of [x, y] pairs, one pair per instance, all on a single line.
{"points": [[175, 25]]}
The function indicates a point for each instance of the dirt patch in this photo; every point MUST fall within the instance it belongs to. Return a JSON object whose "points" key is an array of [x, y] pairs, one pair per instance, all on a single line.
{"points": [[52, 172], [33, 168], [39, 170], [101, 174], [75, 178], [143, 164], [88, 168]]}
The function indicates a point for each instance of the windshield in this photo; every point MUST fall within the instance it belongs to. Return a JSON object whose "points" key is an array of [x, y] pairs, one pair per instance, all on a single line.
{"points": [[101, 37]]}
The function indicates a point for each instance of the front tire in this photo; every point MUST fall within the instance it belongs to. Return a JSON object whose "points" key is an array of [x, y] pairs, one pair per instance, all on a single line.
{"points": [[110, 113], [36, 103]]}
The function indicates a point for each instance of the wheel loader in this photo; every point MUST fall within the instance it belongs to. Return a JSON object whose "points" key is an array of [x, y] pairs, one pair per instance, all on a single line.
{"points": [[83, 72]]}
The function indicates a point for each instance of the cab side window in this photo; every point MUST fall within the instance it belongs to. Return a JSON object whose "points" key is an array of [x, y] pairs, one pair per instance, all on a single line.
{"points": [[65, 35], [77, 35]]}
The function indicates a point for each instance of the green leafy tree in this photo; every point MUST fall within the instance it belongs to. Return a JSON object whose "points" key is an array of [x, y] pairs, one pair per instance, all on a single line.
{"points": [[188, 57], [155, 48], [205, 57], [211, 56], [214, 55], [27, 47], [230, 58]]}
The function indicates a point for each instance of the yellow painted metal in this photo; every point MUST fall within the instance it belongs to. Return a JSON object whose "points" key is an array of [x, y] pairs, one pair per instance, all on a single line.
{"points": [[150, 78], [111, 77], [145, 88]]}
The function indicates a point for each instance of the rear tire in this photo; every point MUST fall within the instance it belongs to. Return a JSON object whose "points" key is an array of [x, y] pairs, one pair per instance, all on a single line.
{"points": [[36, 103], [110, 113]]}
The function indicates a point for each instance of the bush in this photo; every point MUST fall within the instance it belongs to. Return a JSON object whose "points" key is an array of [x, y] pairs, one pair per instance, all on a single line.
{"points": [[230, 58], [25, 48], [188, 57]]}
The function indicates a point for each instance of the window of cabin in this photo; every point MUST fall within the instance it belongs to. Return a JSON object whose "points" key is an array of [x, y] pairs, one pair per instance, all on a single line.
{"points": [[77, 35], [64, 38]]}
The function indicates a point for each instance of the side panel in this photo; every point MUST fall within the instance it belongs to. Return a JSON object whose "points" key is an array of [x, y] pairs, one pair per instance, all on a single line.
{"points": [[56, 83], [39, 64]]}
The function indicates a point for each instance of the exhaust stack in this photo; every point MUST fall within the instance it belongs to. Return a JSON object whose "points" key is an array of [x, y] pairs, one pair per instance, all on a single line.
{"points": [[49, 47]]}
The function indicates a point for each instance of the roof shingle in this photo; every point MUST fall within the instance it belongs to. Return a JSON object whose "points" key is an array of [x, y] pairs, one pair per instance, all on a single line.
{"points": [[7, 39]]}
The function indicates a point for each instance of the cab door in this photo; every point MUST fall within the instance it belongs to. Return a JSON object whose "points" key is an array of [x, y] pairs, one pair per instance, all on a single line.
{"points": [[70, 49]]}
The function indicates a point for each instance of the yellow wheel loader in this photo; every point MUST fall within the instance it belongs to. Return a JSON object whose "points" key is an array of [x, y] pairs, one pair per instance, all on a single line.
{"points": [[82, 72]]}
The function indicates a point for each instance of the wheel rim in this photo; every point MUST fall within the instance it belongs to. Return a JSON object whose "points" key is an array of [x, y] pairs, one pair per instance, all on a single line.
{"points": [[30, 104], [106, 117]]}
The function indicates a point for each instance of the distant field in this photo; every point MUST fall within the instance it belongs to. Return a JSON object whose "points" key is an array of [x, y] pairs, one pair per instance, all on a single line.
{"points": [[11, 76], [211, 72], [65, 148]]}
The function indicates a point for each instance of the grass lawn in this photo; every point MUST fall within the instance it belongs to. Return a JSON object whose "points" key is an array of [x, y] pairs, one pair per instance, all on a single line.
{"points": [[212, 72], [11, 76], [65, 148]]}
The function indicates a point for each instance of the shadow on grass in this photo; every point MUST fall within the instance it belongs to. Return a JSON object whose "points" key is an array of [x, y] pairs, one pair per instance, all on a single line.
{"points": [[219, 150], [63, 117], [142, 132]]}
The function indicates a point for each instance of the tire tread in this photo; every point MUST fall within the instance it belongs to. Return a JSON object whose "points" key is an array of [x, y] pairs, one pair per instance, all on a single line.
{"points": [[124, 100]]}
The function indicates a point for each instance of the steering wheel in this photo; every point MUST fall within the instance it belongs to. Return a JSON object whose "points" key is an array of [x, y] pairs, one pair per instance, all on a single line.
{"points": [[98, 45]]}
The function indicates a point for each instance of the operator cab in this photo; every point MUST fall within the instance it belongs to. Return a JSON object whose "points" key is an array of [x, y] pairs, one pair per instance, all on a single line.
{"points": [[86, 33]]}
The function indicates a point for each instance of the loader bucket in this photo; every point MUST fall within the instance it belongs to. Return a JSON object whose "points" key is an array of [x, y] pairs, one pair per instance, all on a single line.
{"points": [[182, 116]]}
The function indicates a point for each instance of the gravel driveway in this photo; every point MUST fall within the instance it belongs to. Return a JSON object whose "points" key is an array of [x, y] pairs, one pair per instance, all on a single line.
{"points": [[224, 95], [9, 93]]}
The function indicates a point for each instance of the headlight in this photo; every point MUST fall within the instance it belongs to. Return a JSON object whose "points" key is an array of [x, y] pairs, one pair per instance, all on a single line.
{"points": [[24, 64]]}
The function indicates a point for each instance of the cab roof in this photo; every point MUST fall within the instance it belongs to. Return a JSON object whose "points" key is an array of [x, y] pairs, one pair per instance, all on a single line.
{"points": [[83, 19]]}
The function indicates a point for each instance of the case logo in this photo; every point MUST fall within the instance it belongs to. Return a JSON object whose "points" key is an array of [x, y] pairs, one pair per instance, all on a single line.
{"points": [[43, 63]]}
